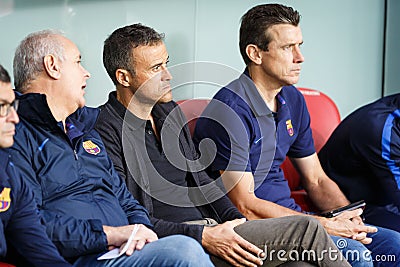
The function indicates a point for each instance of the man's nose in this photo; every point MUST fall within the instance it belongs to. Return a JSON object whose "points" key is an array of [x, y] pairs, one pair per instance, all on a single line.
{"points": [[166, 75], [13, 116], [297, 55]]}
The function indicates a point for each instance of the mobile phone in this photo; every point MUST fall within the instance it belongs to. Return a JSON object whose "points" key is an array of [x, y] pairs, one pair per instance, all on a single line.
{"points": [[336, 212]]}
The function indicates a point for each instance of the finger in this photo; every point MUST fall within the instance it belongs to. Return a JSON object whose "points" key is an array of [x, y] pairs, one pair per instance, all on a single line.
{"points": [[234, 259], [131, 248], [366, 241], [245, 258], [357, 220], [365, 228], [122, 247], [349, 214], [372, 229], [249, 250], [140, 244], [359, 236], [152, 237]]}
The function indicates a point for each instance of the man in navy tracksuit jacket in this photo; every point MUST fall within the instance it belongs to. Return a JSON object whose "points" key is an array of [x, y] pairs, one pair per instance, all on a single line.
{"points": [[19, 223], [363, 157], [86, 206]]}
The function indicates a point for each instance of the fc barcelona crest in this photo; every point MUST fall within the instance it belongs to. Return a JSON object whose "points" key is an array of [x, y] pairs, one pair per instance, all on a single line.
{"points": [[5, 200], [289, 127], [91, 147]]}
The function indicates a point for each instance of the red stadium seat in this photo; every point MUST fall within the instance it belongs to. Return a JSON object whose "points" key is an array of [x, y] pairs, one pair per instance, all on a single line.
{"points": [[192, 108], [325, 117]]}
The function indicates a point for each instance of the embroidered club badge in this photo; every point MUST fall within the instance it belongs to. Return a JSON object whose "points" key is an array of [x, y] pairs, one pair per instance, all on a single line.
{"points": [[289, 127], [5, 200], [91, 147]]}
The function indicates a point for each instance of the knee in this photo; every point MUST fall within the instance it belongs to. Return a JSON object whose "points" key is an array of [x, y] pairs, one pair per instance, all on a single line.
{"points": [[308, 222], [354, 252], [385, 242], [362, 258]]}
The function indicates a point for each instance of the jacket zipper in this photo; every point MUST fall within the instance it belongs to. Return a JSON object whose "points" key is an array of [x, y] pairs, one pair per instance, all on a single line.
{"points": [[76, 155]]}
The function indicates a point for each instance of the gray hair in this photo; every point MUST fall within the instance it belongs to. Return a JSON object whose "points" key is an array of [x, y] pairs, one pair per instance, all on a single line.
{"points": [[28, 59]]}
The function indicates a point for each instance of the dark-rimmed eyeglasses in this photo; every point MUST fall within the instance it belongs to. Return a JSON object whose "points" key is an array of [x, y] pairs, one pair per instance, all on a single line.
{"points": [[5, 108]]}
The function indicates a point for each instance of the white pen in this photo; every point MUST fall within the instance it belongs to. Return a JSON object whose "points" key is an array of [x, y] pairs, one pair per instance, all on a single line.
{"points": [[134, 231], [115, 253]]}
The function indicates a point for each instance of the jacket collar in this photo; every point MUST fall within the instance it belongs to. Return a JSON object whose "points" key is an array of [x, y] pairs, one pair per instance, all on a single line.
{"points": [[4, 159], [34, 108]]}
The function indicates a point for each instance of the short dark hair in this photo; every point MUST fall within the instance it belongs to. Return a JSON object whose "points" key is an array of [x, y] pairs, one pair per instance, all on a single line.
{"points": [[117, 51], [257, 21], [4, 76]]}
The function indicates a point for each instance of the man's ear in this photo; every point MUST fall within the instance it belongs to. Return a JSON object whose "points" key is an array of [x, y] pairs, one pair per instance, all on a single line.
{"points": [[52, 66], [123, 77], [254, 53]]}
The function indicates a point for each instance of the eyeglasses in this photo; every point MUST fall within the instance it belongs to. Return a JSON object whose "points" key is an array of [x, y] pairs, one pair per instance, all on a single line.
{"points": [[5, 108]]}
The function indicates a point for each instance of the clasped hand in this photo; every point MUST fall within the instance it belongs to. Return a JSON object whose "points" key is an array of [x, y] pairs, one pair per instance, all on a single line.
{"points": [[350, 225], [118, 237]]}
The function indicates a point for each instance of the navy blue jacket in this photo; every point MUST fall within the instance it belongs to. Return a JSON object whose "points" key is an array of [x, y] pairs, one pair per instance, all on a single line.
{"points": [[19, 222], [363, 154], [75, 185]]}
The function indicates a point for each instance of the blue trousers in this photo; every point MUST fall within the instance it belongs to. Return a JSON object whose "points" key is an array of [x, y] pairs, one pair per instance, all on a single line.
{"points": [[387, 216], [383, 251], [175, 250]]}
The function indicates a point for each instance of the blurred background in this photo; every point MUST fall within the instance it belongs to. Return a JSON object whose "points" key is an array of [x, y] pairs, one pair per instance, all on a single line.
{"points": [[351, 47]]}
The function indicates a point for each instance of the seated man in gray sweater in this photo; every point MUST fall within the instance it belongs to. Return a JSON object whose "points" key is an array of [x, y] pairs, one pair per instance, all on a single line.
{"points": [[142, 129]]}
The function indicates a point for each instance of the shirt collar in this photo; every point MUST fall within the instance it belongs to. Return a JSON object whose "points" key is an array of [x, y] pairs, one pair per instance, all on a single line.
{"points": [[132, 122], [256, 102]]}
